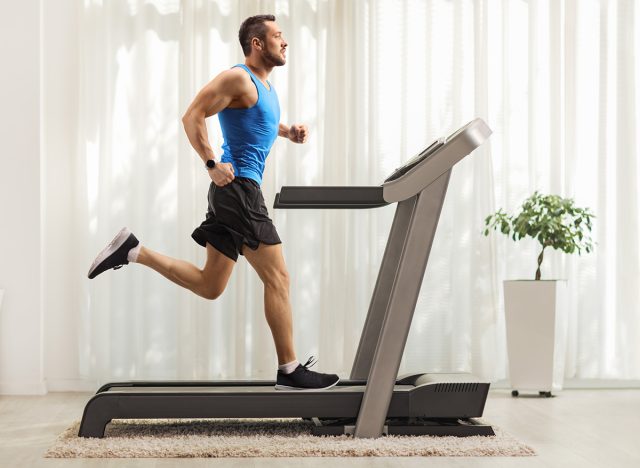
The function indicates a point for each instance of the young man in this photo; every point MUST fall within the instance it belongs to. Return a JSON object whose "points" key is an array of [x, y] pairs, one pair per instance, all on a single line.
{"points": [[237, 221]]}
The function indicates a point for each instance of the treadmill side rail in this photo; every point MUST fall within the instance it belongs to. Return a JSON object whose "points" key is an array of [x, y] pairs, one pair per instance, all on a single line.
{"points": [[188, 383], [178, 403]]}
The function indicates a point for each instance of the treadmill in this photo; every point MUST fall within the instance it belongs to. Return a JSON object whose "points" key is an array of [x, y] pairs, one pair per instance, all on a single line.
{"points": [[374, 400]]}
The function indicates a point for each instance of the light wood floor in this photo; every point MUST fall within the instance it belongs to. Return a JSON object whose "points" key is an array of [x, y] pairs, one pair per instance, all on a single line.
{"points": [[581, 428]]}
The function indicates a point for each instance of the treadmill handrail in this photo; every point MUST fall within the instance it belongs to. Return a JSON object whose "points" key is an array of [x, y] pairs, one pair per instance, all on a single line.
{"points": [[334, 197]]}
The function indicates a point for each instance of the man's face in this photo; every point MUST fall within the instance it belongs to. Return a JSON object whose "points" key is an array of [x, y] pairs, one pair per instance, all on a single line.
{"points": [[274, 51]]}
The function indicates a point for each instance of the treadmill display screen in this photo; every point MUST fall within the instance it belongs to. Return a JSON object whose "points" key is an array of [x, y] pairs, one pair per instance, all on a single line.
{"points": [[410, 164]]}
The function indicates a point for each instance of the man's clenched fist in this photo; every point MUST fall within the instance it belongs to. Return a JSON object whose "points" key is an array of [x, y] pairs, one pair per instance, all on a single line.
{"points": [[298, 133], [222, 174]]}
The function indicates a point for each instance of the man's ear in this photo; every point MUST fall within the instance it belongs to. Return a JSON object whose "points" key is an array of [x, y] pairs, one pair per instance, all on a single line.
{"points": [[257, 42]]}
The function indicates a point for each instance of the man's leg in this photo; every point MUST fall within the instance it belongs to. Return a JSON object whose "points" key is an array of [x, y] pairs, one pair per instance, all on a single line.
{"points": [[269, 263], [208, 282]]}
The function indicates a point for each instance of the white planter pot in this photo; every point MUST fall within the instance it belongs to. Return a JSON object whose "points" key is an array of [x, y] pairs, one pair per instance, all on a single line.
{"points": [[536, 320]]}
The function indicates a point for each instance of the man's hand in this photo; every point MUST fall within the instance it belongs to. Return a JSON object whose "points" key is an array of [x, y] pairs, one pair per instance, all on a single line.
{"points": [[222, 174], [298, 133]]}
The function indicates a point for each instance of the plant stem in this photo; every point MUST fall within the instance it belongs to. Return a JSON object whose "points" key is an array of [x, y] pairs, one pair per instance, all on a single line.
{"points": [[540, 257]]}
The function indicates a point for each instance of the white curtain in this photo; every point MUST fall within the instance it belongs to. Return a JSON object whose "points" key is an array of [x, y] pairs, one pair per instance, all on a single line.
{"points": [[375, 81]]}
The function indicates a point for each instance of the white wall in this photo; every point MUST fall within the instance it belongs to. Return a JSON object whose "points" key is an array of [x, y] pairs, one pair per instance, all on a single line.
{"points": [[37, 128], [60, 50], [21, 324]]}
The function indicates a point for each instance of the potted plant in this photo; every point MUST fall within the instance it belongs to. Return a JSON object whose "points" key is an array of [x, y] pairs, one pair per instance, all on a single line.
{"points": [[535, 310]]}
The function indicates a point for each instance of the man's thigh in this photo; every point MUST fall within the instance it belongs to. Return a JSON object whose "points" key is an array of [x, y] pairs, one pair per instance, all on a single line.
{"points": [[267, 260]]}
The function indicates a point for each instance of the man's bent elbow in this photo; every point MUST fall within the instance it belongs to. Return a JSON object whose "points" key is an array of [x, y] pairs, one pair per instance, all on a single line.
{"points": [[191, 118], [188, 123]]}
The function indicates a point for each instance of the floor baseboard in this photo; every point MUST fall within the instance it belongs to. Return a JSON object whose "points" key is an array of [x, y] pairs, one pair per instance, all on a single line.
{"points": [[577, 384], [23, 388]]}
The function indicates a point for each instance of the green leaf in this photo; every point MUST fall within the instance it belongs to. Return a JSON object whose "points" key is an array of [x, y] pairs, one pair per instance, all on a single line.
{"points": [[551, 220]]}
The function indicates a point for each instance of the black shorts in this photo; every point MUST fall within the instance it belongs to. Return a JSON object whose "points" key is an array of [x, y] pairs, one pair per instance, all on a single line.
{"points": [[237, 215]]}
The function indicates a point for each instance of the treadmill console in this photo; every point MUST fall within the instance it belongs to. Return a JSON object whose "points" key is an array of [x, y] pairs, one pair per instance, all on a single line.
{"points": [[423, 155], [413, 162]]}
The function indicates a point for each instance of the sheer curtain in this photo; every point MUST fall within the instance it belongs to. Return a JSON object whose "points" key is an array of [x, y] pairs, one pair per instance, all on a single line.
{"points": [[375, 81]]}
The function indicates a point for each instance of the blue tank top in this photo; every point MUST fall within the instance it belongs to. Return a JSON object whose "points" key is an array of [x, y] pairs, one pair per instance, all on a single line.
{"points": [[249, 133]]}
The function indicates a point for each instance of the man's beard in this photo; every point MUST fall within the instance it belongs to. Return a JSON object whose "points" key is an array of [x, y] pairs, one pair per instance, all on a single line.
{"points": [[273, 59]]}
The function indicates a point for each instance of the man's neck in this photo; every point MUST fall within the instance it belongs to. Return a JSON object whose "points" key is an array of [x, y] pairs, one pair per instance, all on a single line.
{"points": [[259, 69]]}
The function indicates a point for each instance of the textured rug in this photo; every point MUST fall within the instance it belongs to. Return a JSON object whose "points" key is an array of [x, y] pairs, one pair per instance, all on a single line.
{"points": [[182, 438]]}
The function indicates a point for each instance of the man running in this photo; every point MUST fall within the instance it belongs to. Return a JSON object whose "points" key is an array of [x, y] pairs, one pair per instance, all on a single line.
{"points": [[237, 220]]}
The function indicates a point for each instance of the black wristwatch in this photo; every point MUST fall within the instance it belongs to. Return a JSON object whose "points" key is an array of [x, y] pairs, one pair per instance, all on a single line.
{"points": [[210, 164]]}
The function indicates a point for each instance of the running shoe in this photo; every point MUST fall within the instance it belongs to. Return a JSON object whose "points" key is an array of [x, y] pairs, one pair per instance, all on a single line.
{"points": [[304, 379], [114, 255]]}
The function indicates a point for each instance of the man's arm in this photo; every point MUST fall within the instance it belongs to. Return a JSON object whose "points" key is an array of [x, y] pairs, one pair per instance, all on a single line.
{"points": [[283, 130], [295, 133], [213, 98]]}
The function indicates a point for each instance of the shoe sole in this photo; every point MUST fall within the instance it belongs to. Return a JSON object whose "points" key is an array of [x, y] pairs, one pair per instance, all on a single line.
{"points": [[114, 245], [298, 389]]}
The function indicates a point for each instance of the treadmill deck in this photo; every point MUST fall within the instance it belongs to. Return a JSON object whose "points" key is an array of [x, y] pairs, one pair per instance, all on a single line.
{"points": [[262, 390]]}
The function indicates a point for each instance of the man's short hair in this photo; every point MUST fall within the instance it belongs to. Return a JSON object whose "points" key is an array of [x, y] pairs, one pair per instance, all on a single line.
{"points": [[253, 27]]}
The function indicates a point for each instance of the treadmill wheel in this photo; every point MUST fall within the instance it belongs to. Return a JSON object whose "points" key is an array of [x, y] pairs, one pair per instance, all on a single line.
{"points": [[514, 393], [546, 394]]}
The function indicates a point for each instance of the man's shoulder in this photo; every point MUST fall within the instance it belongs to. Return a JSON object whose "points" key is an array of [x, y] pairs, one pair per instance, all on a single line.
{"points": [[235, 78], [236, 84]]}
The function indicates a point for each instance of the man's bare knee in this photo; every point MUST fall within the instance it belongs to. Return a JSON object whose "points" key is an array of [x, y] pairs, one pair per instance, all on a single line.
{"points": [[211, 295], [212, 287], [277, 279], [212, 292]]}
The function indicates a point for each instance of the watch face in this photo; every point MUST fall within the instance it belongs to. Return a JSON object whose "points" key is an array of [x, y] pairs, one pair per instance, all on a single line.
{"points": [[211, 163]]}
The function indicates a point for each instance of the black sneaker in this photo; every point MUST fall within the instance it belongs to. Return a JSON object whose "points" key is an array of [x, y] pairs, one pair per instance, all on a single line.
{"points": [[114, 255], [304, 379]]}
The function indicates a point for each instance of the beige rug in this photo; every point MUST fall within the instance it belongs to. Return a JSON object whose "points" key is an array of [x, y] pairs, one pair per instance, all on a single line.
{"points": [[264, 438]]}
